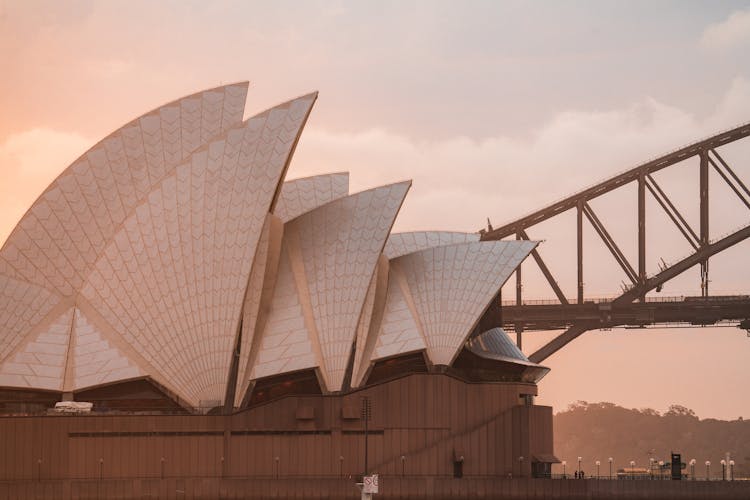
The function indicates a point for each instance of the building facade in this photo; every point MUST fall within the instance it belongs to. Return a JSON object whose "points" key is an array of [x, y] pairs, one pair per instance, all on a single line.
{"points": [[226, 322]]}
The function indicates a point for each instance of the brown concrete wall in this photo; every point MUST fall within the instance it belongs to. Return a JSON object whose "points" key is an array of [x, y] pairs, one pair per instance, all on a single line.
{"points": [[426, 418]]}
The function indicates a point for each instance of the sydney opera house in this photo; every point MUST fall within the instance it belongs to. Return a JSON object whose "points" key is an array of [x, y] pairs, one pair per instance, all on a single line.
{"points": [[228, 323]]}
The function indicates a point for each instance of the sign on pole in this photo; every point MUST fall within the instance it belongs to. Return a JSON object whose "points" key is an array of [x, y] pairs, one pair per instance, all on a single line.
{"points": [[370, 484]]}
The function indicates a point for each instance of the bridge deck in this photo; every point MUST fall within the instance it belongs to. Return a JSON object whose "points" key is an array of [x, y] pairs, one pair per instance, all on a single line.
{"points": [[602, 313]]}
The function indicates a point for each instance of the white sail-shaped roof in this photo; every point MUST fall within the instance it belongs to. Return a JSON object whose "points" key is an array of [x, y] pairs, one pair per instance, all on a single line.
{"points": [[173, 250], [437, 295], [172, 281], [50, 252], [302, 195], [327, 260], [403, 243], [295, 198]]}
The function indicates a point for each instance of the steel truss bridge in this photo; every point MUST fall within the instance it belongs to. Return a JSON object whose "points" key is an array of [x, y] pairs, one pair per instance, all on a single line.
{"points": [[631, 308]]}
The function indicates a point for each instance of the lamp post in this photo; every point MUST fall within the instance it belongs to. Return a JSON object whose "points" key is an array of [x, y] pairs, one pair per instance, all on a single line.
{"points": [[579, 466], [610, 467], [692, 468], [564, 463], [277, 460], [650, 468], [403, 465], [708, 470], [341, 465], [723, 469], [520, 466], [661, 469], [632, 469], [101, 466], [731, 470], [162, 467], [598, 463]]}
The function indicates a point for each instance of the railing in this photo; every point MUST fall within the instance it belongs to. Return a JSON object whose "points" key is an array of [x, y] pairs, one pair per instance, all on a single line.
{"points": [[655, 300]]}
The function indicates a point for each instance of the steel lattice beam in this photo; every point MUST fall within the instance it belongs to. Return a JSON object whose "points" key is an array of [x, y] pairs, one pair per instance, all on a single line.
{"points": [[580, 322]]}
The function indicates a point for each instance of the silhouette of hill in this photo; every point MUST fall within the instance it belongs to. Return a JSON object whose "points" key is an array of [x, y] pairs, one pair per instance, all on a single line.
{"points": [[597, 431]]}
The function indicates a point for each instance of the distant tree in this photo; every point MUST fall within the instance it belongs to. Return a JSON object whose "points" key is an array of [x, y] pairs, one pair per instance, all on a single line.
{"points": [[649, 412], [596, 431], [680, 411]]}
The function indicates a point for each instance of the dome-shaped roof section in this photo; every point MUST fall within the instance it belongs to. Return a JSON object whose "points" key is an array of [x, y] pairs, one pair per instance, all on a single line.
{"points": [[496, 342], [496, 345]]}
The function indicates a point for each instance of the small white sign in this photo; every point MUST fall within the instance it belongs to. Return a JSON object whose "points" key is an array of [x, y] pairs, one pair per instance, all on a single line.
{"points": [[370, 484]]}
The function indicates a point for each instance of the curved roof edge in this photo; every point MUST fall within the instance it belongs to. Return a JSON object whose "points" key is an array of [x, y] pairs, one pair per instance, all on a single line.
{"points": [[399, 244], [319, 248], [429, 279], [299, 196]]}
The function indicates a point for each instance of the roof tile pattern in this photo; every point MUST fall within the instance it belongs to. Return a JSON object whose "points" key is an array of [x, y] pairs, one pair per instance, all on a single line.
{"points": [[50, 253], [63, 233], [24, 305], [286, 343], [403, 243], [95, 360], [451, 286], [172, 280], [337, 246], [303, 195], [340, 243], [257, 298], [363, 326], [400, 332], [40, 363]]}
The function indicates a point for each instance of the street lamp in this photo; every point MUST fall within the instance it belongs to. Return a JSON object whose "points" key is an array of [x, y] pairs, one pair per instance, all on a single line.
{"points": [[723, 469], [598, 463], [632, 469], [661, 469], [731, 470], [579, 466], [520, 466], [610, 467], [708, 470], [277, 460], [403, 465], [564, 463], [341, 465], [692, 468]]}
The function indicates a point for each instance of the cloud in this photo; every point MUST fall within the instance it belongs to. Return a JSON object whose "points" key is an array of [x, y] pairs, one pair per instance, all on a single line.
{"points": [[732, 32], [458, 182], [29, 161]]}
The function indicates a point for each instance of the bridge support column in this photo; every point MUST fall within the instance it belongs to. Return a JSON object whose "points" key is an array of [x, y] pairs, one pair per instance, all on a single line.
{"points": [[704, 218], [519, 299], [642, 231], [579, 218]]}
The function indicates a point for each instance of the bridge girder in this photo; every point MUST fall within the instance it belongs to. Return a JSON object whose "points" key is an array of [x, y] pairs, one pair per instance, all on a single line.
{"points": [[640, 283]]}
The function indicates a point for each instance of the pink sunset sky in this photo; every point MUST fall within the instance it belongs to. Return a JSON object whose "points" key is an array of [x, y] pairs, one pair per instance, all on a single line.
{"points": [[492, 108]]}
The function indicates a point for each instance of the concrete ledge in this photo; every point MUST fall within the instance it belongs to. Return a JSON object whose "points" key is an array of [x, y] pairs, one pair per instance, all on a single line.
{"points": [[391, 488]]}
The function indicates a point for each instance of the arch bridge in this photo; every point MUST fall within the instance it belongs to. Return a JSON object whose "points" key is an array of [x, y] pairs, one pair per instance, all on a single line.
{"points": [[632, 308]]}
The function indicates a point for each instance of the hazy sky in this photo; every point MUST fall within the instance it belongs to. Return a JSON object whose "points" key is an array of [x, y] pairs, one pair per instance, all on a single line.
{"points": [[492, 108]]}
